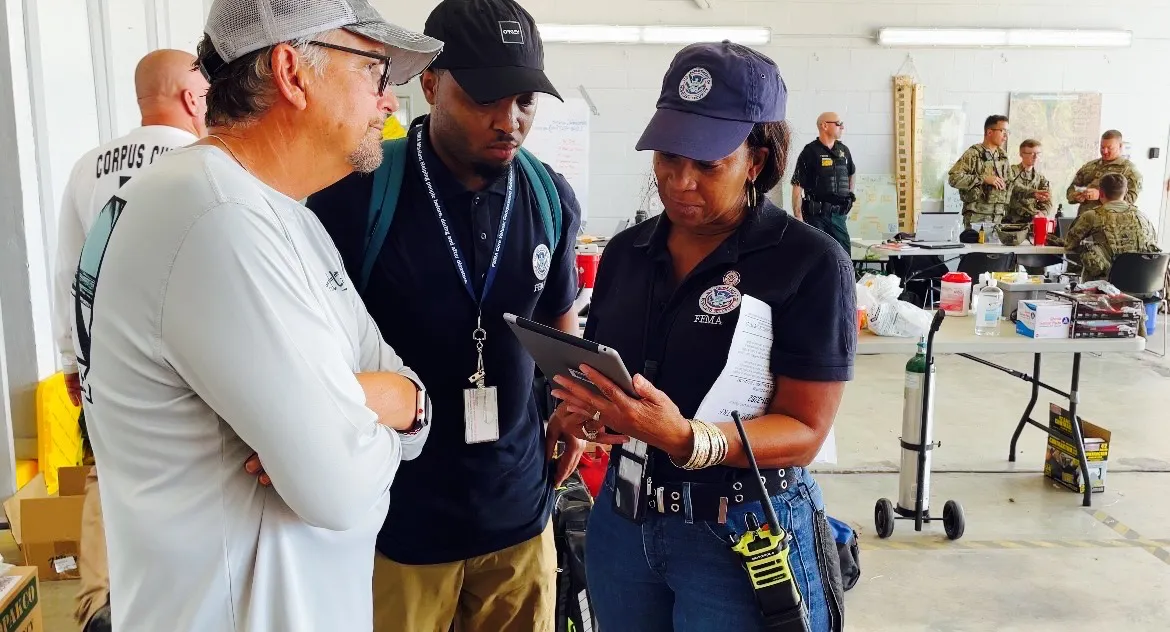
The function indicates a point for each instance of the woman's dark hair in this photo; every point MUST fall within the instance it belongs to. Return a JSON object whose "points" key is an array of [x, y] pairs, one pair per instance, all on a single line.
{"points": [[774, 137]]}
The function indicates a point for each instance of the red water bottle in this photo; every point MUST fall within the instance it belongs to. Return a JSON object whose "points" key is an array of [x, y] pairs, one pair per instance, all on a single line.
{"points": [[1040, 227]]}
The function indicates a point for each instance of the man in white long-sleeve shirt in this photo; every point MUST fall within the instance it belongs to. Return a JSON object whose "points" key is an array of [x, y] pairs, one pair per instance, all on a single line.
{"points": [[170, 93], [215, 319]]}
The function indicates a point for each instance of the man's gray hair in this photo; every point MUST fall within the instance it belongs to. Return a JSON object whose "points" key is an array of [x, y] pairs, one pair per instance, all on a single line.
{"points": [[242, 90]]}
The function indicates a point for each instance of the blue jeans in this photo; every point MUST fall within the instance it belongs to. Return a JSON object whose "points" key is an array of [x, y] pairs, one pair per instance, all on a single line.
{"points": [[667, 575]]}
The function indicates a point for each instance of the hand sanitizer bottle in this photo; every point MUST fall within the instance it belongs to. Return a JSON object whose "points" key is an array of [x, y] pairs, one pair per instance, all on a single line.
{"points": [[988, 310]]}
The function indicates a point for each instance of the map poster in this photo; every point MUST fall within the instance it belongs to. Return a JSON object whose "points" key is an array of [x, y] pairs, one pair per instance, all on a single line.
{"points": [[875, 214], [942, 144], [1067, 124]]}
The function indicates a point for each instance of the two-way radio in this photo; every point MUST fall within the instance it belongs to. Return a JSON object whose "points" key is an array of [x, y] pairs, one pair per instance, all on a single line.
{"points": [[764, 551]]}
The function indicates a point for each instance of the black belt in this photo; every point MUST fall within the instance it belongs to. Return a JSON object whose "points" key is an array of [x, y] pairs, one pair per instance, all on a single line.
{"points": [[709, 501]]}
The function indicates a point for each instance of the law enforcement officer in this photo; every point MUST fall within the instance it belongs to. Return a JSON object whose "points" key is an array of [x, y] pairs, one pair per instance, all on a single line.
{"points": [[1085, 189], [171, 100], [670, 295], [1113, 228], [1030, 189], [467, 537], [982, 176], [822, 183]]}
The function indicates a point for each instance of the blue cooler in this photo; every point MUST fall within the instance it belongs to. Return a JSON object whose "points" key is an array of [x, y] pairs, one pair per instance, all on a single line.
{"points": [[1151, 318]]}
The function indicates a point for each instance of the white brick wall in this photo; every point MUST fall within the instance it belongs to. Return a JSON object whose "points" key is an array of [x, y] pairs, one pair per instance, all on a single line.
{"points": [[826, 52]]}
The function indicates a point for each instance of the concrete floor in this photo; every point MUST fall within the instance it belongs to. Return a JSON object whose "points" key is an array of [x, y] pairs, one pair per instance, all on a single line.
{"points": [[1032, 558]]}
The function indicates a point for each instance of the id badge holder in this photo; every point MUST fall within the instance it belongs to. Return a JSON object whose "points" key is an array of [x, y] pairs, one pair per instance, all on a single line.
{"points": [[633, 469]]}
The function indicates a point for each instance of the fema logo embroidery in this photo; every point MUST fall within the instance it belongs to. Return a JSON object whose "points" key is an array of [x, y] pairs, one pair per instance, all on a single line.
{"points": [[720, 300], [731, 278], [696, 85], [541, 262], [510, 32]]}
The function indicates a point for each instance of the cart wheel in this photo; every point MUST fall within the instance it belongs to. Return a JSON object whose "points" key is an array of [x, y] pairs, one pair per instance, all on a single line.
{"points": [[883, 518], [953, 520]]}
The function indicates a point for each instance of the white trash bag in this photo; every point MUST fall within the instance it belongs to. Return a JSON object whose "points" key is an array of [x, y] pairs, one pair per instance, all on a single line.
{"points": [[884, 287], [899, 319]]}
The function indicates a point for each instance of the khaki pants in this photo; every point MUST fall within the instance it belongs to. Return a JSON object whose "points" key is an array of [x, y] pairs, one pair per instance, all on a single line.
{"points": [[92, 562], [508, 591]]}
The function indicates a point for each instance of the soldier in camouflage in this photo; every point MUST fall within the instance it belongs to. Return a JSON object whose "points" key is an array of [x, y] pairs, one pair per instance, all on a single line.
{"points": [[983, 177], [1113, 228], [1086, 189], [1030, 189]]}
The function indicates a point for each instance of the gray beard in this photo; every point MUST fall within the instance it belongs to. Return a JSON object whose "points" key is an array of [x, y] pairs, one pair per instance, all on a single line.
{"points": [[368, 155]]}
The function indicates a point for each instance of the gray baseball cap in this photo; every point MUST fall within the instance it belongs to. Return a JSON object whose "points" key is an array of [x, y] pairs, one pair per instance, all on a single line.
{"points": [[239, 27]]}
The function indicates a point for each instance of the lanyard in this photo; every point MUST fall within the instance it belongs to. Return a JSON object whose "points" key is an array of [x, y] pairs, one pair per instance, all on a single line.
{"points": [[456, 255]]}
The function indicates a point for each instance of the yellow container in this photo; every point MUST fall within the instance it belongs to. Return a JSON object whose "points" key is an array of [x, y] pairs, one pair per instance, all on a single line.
{"points": [[58, 430]]}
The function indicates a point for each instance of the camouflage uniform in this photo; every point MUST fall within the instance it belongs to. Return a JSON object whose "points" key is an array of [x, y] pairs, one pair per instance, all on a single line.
{"points": [[1024, 205], [1090, 176], [981, 202], [1099, 235]]}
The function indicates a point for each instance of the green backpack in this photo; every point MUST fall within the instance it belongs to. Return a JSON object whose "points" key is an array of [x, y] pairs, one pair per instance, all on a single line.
{"points": [[388, 184]]}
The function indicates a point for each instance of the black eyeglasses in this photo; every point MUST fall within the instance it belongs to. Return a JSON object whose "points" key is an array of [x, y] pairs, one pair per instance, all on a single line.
{"points": [[837, 123], [384, 81]]}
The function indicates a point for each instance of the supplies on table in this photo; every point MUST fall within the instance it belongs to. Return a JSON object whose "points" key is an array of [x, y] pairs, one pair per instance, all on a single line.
{"points": [[1033, 288], [885, 314], [1061, 462], [1044, 318], [955, 294], [1098, 314]]}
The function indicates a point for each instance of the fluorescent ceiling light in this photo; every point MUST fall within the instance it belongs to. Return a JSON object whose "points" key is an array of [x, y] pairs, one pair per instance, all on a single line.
{"points": [[604, 34], [1066, 38]]}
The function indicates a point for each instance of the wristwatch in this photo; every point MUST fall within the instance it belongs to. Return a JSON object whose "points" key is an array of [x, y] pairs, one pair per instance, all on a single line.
{"points": [[422, 408]]}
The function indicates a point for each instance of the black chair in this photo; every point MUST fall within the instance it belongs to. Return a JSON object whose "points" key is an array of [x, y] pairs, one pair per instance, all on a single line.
{"points": [[1036, 264], [976, 263], [1143, 276]]}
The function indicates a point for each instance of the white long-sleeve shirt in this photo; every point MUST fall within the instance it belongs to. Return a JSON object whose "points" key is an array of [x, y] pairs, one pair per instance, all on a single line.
{"points": [[95, 177], [216, 319]]}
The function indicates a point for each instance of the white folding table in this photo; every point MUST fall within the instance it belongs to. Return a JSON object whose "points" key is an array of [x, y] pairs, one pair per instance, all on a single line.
{"points": [[957, 336]]}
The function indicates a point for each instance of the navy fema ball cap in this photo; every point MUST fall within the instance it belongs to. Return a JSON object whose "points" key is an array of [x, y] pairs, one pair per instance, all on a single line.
{"points": [[712, 97]]}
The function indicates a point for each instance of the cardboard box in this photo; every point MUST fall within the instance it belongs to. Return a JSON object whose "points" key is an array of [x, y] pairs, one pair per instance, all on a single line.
{"points": [[1092, 305], [1060, 459], [48, 528], [20, 601], [1044, 318]]}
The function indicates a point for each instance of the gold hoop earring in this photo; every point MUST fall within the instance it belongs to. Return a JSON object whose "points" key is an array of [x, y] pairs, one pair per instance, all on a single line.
{"points": [[752, 195]]}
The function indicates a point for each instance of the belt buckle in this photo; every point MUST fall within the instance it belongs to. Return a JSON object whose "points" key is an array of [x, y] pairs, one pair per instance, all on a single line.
{"points": [[658, 493]]}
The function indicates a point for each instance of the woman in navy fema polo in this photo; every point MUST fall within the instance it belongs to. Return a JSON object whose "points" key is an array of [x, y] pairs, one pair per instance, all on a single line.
{"points": [[723, 283]]}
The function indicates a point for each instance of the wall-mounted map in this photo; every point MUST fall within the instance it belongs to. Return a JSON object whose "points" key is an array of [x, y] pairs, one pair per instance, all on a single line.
{"points": [[875, 214], [1069, 126], [942, 144]]}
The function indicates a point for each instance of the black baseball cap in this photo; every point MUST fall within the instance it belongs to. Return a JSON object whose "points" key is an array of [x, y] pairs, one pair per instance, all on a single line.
{"points": [[712, 97], [491, 47]]}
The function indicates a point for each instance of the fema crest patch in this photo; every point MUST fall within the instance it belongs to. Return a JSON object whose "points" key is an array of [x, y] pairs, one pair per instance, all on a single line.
{"points": [[731, 278], [719, 300], [696, 85], [541, 262]]}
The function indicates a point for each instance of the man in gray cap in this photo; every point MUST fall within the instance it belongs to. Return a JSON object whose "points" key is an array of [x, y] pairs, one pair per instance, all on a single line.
{"points": [[214, 320]]}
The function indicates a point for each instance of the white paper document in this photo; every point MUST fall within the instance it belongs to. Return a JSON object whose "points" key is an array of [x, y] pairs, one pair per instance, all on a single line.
{"points": [[746, 382]]}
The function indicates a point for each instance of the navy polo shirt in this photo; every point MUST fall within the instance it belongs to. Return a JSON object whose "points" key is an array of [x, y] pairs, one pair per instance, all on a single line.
{"points": [[457, 501], [798, 271]]}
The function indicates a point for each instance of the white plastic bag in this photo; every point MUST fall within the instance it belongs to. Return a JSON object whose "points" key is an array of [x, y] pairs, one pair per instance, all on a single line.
{"points": [[899, 319], [1104, 287], [865, 298], [884, 288]]}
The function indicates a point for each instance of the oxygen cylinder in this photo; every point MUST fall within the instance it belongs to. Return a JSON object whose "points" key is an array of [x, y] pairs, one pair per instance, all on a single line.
{"points": [[912, 419]]}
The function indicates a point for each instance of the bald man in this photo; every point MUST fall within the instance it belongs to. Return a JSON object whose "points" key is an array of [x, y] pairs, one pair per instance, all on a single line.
{"points": [[822, 183], [170, 95]]}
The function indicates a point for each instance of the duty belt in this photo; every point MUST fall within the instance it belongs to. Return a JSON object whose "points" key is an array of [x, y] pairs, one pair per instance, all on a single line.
{"points": [[708, 502]]}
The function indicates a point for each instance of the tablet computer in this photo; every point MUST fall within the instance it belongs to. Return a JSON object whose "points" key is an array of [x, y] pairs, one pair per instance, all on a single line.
{"points": [[558, 353]]}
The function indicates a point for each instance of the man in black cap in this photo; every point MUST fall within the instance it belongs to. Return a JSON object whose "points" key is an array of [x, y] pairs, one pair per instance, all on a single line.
{"points": [[468, 228]]}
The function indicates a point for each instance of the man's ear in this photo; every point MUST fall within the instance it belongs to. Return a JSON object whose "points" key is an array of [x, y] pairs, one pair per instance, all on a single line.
{"points": [[288, 70], [430, 85], [190, 104]]}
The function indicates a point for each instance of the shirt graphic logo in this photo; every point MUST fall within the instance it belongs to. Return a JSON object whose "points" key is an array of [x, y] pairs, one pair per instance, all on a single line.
{"points": [[86, 281], [696, 85], [731, 278], [510, 32], [541, 262], [719, 300], [336, 281]]}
